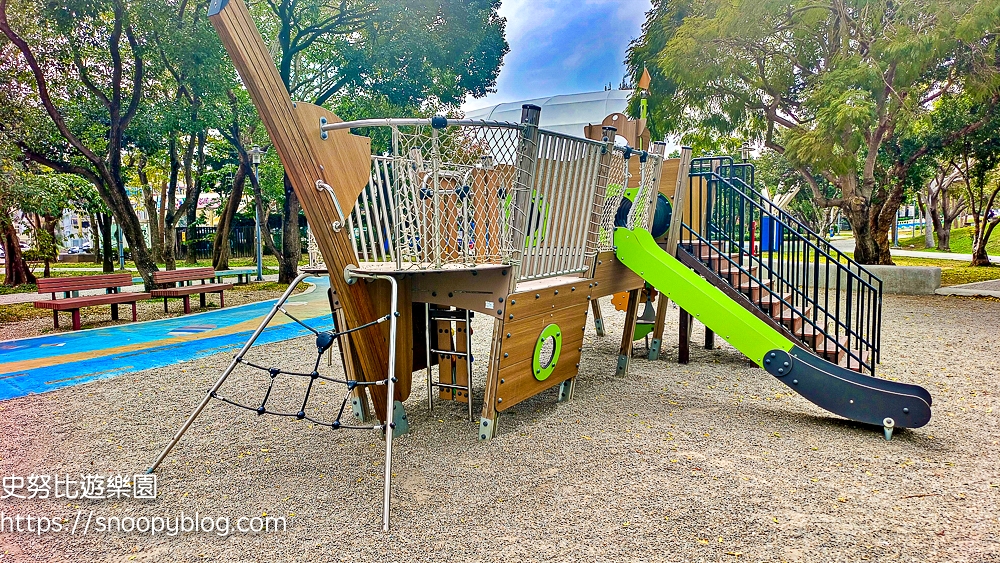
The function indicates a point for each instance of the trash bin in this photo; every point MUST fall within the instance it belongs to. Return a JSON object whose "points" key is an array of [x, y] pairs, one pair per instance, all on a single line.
{"points": [[771, 234]]}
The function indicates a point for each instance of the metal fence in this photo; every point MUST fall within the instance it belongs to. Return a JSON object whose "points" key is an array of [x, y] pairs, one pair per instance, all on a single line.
{"points": [[242, 241], [468, 192]]}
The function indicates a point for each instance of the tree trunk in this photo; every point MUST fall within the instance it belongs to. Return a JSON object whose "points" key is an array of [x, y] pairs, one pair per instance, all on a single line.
{"points": [[109, 259], [291, 247], [15, 269], [925, 211], [194, 193], [220, 248], [170, 245], [979, 255], [866, 247], [96, 233]]}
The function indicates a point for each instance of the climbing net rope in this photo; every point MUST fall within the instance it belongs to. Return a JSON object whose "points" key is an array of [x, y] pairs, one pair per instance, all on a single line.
{"points": [[324, 340]]}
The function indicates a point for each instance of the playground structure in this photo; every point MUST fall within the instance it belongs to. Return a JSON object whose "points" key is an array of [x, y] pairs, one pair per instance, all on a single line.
{"points": [[530, 228]]}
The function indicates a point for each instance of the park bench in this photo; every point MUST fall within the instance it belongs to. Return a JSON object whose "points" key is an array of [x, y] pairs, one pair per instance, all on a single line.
{"points": [[184, 286], [71, 301], [242, 274]]}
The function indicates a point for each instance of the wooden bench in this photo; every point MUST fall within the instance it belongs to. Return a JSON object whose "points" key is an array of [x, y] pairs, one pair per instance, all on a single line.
{"points": [[184, 288], [70, 287]]}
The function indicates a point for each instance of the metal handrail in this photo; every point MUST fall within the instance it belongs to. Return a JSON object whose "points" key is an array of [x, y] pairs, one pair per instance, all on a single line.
{"points": [[722, 181]]}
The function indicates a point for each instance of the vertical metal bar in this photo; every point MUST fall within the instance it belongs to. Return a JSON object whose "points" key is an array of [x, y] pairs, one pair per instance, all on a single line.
{"points": [[436, 195], [468, 360], [582, 182], [427, 338], [527, 157], [562, 194]]}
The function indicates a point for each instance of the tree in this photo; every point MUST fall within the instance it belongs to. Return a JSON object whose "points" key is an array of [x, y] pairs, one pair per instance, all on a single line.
{"points": [[824, 84], [243, 125], [941, 203], [87, 63], [45, 198], [407, 52], [780, 178], [12, 193]]}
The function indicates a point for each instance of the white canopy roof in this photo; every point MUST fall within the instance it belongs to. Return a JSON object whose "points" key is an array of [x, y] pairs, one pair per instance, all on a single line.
{"points": [[567, 114]]}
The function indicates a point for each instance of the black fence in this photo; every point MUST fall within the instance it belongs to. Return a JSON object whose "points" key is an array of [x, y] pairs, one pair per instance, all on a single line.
{"points": [[242, 241]]}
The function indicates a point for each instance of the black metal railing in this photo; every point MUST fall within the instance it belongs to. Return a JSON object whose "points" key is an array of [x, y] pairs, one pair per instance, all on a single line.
{"points": [[760, 246]]}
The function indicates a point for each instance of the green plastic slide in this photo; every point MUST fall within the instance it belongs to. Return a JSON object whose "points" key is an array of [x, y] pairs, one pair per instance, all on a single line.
{"points": [[852, 395]]}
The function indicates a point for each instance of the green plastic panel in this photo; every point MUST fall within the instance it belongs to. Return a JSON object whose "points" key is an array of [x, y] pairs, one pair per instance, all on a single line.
{"points": [[709, 305]]}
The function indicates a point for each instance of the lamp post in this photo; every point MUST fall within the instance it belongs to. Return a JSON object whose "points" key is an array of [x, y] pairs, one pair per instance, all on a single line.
{"points": [[255, 155], [745, 152]]}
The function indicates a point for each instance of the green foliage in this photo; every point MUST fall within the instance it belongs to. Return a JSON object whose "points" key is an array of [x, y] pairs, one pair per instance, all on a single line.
{"points": [[961, 242]]}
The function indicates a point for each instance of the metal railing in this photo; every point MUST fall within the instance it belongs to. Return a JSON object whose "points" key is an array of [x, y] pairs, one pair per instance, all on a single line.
{"points": [[566, 183], [460, 193], [796, 269]]}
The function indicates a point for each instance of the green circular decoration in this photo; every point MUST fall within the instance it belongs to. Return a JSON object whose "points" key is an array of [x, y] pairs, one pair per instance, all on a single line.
{"points": [[541, 372]]}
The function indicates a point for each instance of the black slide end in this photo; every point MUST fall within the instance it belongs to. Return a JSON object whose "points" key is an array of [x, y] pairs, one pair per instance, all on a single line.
{"points": [[855, 396]]}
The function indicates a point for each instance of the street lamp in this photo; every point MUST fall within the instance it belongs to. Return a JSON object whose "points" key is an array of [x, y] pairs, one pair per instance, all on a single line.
{"points": [[255, 155], [745, 152]]}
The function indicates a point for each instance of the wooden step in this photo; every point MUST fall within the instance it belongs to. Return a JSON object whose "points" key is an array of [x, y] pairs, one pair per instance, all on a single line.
{"points": [[786, 316], [852, 363], [735, 276], [754, 289], [830, 351], [813, 337], [770, 302]]}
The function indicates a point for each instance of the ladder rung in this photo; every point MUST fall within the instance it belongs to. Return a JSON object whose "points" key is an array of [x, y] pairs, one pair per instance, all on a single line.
{"points": [[441, 315], [449, 353], [450, 386]]}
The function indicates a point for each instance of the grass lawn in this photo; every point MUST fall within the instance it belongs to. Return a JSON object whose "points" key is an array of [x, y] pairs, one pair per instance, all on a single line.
{"points": [[961, 242]]}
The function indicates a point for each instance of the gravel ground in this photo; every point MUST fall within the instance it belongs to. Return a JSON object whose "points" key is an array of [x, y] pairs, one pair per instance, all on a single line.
{"points": [[37, 322], [712, 461]]}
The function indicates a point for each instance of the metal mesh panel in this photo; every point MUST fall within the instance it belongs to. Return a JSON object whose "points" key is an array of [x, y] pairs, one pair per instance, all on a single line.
{"points": [[640, 215], [444, 197], [560, 206], [618, 178]]}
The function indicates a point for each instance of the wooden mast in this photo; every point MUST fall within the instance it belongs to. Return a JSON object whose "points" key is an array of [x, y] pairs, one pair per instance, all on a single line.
{"points": [[340, 160]]}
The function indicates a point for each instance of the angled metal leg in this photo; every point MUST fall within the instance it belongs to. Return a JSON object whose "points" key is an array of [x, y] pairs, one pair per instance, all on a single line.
{"points": [[232, 365], [390, 420]]}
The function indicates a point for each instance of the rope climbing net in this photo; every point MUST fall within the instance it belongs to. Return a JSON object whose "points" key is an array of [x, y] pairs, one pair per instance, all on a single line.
{"points": [[324, 340]]}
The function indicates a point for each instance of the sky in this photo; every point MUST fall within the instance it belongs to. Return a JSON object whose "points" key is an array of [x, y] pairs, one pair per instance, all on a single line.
{"points": [[563, 47]]}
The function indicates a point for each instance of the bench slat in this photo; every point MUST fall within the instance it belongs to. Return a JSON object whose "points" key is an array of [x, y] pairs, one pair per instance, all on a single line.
{"points": [[191, 290], [89, 301], [190, 274], [78, 283]]}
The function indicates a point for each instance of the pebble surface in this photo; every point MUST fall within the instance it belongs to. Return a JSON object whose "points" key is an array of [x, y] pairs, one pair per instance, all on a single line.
{"points": [[710, 461]]}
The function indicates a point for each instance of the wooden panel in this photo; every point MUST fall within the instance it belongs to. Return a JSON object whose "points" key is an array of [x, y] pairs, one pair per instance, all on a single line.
{"points": [[516, 380], [461, 365], [483, 289], [342, 161], [516, 358], [611, 276], [520, 335], [446, 362], [531, 301], [77, 283], [668, 177]]}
